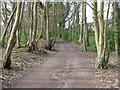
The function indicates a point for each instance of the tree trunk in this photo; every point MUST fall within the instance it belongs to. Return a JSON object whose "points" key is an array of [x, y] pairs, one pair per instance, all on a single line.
{"points": [[0, 21], [6, 28], [85, 29], [33, 46], [18, 31], [14, 6], [47, 25], [40, 35], [117, 28], [100, 33], [105, 29], [69, 31], [77, 21], [6, 19], [7, 55], [54, 25], [81, 27], [96, 24], [45, 21], [31, 22], [100, 58], [73, 30]]}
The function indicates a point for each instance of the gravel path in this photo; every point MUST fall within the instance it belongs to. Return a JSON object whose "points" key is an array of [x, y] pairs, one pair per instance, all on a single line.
{"points": [[67, 67]]}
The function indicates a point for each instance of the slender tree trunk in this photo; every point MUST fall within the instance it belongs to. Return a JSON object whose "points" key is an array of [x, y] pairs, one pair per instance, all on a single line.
{"points": [[0, 21], [6, 19], [77, 22], [45, 21], [85, 29], [105, 29], [117, 29], [73, 31], [18, 31], [31, 22], [96, 24], [6, 28], [69, 31], [81, 27], [33, 43], [47, 25], [100, 33], [100, 58], [10, 45], [40, 34], [14, 6], [54, 25]]}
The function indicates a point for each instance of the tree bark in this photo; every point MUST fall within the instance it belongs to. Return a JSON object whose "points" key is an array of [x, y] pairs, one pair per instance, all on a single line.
{"points": [[54, 25], [81, 27], [100, 58], [0, 20], [47, 25], [69, 31], [105, 29], [6, 28], [40, 31], [85, 29], [33, 46], [100, 32], [18, 31], [96, 24], [117, 28], [31, 24], [73, 30], [45, 21]]}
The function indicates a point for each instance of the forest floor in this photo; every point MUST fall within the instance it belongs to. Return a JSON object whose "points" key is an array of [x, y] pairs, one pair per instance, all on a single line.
{"points": [[64, 67]]}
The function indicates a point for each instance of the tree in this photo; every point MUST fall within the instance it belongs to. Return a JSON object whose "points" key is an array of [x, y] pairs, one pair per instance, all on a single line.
{"points": [[47, 25], [33, 44], [0, 20], [18, 31], [7, 55], [30, 13], [117, 28], [100, 34], [7, 25], [85, 33], [81, 26]]}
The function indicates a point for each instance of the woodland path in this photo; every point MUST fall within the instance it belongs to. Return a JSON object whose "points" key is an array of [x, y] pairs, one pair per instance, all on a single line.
{"points": [[67, 67]]}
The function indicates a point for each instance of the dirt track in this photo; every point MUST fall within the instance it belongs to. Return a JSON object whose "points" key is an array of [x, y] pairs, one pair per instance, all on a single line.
{"points": [[67, 67]]}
